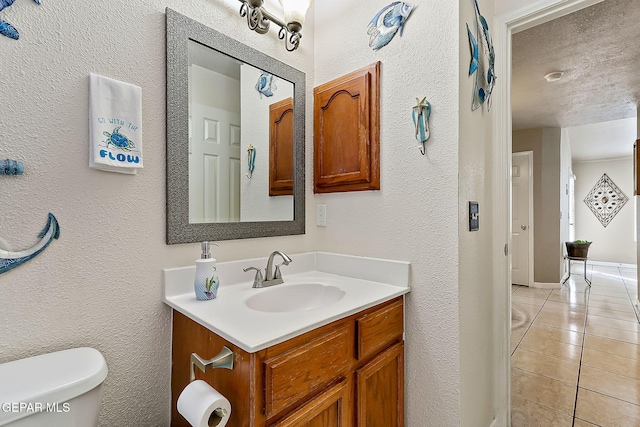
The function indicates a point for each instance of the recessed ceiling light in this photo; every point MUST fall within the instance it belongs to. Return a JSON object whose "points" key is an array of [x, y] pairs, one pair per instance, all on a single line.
{"points": [[554, 76]]}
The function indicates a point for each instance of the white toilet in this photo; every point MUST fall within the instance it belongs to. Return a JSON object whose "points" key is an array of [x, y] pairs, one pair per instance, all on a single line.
{"points": [[61, 389]]}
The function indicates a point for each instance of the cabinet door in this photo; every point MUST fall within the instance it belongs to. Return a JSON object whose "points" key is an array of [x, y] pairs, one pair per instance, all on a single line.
{"points": [[346, 137], [330, 409], [380, 390]]}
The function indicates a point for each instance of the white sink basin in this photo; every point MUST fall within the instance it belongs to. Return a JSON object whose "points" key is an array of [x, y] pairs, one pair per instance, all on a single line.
{"points": [[292, 298]]}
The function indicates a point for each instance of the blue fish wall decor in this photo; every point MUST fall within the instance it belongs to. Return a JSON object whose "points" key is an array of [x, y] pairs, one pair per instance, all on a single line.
{"points": [[7, 29], [387, 23], [10, 260], [482, 61], [265, 84], [11, 167]]}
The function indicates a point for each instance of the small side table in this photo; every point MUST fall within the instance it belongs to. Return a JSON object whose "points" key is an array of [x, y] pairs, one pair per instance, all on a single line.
{"points": [[572, 258]]}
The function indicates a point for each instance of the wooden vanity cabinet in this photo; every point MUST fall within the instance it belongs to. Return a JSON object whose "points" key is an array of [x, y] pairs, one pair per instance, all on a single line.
{"points": [[347, 373]]}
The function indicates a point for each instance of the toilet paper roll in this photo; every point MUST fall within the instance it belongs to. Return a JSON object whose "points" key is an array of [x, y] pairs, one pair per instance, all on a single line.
{"points": [[203, 405]]}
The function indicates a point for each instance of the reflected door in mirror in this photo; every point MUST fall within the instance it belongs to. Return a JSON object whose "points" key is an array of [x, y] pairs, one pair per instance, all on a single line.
{"points": [[214, 146], [215, 153]]}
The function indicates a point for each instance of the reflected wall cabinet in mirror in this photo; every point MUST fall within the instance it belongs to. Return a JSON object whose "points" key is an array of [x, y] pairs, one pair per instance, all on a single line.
{"points": [[281, 148], [223, 98]]}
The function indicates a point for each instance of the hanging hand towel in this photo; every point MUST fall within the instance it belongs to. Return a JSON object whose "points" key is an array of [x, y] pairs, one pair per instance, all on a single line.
{"points": [[115, 125]]}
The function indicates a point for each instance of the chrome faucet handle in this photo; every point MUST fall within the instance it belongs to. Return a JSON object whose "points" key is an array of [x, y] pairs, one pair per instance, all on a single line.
{"points": [[278, 274], [257, 280]]}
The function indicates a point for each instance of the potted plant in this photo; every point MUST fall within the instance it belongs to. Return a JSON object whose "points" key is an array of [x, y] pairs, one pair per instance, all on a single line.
{"points": [[578, 249]]}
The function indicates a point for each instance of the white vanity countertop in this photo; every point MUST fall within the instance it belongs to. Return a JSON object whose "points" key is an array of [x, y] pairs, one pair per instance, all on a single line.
{"points": [[366, 281]]}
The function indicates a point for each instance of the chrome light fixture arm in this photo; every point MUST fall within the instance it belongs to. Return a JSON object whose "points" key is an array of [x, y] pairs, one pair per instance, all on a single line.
{"points": [[259, 20], [291, 42], [256, 19]]}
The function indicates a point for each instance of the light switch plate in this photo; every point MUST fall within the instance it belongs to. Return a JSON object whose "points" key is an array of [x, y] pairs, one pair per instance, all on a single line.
{"points": [[321, 217], [474, 216]]}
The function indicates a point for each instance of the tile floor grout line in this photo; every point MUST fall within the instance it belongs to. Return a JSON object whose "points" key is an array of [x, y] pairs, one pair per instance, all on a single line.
{"points": [[531, 323], [587, 298], [624, 283], [584, 334], [610, 397]]}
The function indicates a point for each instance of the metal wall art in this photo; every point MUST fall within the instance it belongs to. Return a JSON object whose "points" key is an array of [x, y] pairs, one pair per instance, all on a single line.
{"points": [[7, 29], [11, 167], [387, 22], [482, 61], [10, 260], [265, 84], [420, 114], [605, 200]]}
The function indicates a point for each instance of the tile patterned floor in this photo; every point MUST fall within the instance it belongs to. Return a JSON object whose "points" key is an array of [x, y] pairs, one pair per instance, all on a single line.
{"points": [[575, 352]]}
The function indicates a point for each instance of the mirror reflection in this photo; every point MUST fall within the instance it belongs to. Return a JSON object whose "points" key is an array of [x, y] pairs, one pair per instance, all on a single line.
{"points": [[241, 136]]}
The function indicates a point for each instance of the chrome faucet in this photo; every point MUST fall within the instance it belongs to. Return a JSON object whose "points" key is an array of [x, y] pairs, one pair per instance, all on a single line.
{"points": [[271, 276]]}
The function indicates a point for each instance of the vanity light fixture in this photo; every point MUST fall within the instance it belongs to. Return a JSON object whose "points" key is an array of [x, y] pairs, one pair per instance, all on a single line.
{"points": [[259, 19], [554, 76]]}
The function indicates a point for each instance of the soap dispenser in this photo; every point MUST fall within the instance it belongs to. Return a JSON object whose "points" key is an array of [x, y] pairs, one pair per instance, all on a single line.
{"points": [[206, 281]]}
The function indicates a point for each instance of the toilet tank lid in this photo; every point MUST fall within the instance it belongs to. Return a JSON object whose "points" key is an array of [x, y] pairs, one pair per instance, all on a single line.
{"points": [[49, 378]]}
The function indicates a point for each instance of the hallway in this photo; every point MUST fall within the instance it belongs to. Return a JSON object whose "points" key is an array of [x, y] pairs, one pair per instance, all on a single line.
{"points": [[575, 352]]}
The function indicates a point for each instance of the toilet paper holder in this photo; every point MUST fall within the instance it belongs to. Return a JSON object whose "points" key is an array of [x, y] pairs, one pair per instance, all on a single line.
{"points": [[224, 359]]}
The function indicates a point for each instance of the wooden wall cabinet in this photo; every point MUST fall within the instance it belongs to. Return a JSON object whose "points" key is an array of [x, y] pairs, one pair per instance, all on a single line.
{"points": [[346, 141], [345, 374], [281, 148]]}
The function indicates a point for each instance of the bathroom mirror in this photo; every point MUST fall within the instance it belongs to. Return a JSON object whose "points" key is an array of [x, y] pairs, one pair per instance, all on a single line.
{"points": [[219, 96]]}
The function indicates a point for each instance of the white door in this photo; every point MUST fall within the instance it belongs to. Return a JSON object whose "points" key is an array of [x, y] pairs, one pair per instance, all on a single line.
{"points": [[214, 165], [522, 218]]}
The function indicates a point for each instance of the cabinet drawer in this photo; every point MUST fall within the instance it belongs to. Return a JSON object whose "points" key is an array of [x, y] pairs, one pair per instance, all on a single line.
{"points": [[379, 329], [291, 376]]}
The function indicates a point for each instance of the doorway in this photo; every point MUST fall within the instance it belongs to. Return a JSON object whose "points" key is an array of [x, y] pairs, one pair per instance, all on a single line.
{"points": [[529, 14], [522, 218]]}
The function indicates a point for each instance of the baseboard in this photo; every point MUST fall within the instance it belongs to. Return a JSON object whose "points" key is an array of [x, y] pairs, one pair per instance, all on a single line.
{"points": [[546, 285]]}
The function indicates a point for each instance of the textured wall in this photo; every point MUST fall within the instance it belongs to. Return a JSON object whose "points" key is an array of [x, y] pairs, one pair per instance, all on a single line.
{"points": [[99, 284], [505, 6], [565, 176], [547, 248], [414, 215], [614, 243], [476, 257]]}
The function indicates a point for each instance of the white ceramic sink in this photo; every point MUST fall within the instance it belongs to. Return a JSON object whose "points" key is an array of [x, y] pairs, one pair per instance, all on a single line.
{"points": [[297, 297], [319, 288]]}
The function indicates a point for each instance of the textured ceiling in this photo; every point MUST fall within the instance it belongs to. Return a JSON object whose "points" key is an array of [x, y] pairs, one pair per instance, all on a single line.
{"points": [[597, 48], [604, 140]]}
